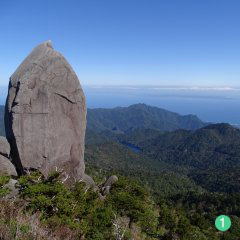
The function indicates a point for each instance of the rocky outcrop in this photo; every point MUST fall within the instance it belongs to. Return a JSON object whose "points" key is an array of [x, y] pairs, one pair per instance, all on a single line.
{"points": [[89, 181], [6, 167], [108, 184], [111, 180], [4, 147], [45, 115]]}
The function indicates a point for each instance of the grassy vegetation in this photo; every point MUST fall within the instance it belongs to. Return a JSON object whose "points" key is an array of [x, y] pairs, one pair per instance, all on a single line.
{"points": [[80, 211], [3, 181], [47, 209]]}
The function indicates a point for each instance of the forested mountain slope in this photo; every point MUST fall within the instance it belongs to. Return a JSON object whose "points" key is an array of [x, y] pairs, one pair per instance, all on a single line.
{"points": [[209, 156], [125, 119], [216, 145]]}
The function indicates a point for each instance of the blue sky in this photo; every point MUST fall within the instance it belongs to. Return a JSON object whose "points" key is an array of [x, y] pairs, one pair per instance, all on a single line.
{"points": [[128, 42]]}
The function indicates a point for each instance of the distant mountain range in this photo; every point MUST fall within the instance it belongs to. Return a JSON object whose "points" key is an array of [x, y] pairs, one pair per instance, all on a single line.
{"points": [[165, 142], [127, 119], [209, 156], [149, 141], [216, 145]]}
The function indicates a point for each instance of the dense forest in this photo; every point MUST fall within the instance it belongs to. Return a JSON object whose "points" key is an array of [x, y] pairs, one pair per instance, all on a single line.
{"points": [[172, 185], [125, 119], [192, 175]]}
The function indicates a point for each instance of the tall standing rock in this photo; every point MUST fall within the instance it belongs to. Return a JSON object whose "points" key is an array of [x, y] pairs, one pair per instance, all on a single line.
{"points": [[45, 115]]}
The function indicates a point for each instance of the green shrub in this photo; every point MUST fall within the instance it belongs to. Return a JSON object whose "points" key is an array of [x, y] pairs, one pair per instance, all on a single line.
{"points": [[128, 198], [3, 190], [78, 207]]}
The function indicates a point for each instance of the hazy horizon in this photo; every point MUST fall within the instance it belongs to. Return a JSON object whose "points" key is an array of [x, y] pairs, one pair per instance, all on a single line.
{"points": [[210, 104]]}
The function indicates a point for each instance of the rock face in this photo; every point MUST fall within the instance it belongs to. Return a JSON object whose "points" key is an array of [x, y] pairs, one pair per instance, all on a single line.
{"points": [[108, 184], [4, 147], [45, 115], [6, 167]]}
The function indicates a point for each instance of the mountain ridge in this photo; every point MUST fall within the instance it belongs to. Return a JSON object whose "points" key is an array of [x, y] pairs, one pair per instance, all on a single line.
{"points": [[140, 115], [125, 119], [207, 156]]}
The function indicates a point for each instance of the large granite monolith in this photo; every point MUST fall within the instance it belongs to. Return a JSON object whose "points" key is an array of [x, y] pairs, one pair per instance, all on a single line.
{"points": [[45, 115]]}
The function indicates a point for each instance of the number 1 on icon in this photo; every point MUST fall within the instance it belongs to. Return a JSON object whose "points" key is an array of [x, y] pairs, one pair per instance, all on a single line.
{"points": [[222, 221]]}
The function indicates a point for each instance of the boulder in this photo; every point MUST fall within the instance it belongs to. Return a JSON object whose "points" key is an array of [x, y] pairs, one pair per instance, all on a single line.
{"points": [[89, 181], [108, 184], [45, 115], [6, 167], [4, 147], [111, 180]]}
